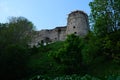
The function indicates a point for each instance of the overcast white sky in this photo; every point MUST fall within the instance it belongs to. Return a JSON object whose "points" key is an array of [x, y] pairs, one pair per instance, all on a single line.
{"points": [[45, 14]]}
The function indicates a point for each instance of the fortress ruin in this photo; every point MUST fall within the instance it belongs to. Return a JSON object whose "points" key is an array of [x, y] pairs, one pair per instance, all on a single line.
{"points": [[77, 23]]}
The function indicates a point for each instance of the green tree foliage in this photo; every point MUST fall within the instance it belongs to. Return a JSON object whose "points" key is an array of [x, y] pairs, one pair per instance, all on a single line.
{"points": [[21, 29], [92, 49], [3, 33], [70, 55], [41, 60], [105, 19], [14, 50], [13, 62], [111, 46], [105, 16], [17, 31]]}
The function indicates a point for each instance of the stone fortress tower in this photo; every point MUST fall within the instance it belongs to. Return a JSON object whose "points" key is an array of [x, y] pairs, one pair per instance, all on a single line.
{"points": [[77, 23]]}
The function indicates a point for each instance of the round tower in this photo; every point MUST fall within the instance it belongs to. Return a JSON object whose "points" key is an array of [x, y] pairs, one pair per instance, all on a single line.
{"points": [[77, 23]]}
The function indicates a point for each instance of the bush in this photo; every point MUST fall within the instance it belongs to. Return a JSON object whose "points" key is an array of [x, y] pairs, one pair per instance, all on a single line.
{"points": [[70, 55]]}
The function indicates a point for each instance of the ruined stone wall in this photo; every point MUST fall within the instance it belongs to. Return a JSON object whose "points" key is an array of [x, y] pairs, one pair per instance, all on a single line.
{"points": [[48, 36], [61, 33], [77, 23]]}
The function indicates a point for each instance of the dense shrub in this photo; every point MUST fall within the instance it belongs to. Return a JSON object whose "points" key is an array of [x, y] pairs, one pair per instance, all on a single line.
{"points": [[70, 55]]}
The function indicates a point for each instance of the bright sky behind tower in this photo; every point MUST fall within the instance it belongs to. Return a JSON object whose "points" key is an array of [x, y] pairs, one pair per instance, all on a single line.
{"points": [[45, 14]]}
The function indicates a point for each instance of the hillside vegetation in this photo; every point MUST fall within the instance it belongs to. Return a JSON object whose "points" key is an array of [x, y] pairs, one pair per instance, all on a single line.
{"points": [[95, 56]]}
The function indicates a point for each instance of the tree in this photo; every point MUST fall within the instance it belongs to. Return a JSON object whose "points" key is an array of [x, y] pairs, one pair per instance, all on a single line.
{"points": [[105, 16], [14, 52], [92, 52], [17, 31], [20, 29], [70, 55], [105, 20], [13, 62], [3, 28]]}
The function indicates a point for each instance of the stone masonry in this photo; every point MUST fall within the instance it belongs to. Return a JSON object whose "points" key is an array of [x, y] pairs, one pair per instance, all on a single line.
{"points": [[77, 23]]}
